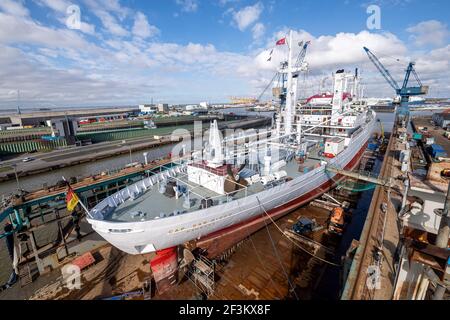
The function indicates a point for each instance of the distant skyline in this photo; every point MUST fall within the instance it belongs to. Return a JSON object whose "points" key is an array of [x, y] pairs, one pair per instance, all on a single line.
{"points": [[188, 51]]}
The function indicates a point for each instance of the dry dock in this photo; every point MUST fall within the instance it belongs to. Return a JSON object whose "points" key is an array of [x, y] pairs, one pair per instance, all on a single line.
{"points": [[272, 263]]}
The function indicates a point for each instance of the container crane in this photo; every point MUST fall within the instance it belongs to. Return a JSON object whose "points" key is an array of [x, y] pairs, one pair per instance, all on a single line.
{"points": [[404, 92]]}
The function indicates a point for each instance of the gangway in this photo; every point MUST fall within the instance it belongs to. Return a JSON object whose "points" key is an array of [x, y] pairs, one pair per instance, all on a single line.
{"points": [[361, 175]]}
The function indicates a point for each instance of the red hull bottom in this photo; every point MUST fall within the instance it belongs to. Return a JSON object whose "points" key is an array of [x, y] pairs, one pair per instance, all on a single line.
{"points": [[219, 241]]}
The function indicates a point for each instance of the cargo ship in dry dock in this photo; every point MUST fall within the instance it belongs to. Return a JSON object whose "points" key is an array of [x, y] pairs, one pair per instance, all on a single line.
{"points": [[232, 186]]}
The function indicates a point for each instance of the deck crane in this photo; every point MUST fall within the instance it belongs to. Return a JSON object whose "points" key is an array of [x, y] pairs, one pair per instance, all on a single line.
{"points": [[404, 92], [299, 66], [300, 62]]}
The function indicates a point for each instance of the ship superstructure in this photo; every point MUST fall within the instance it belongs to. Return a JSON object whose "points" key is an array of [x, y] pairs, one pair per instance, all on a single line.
{"points": [[243, 178]]}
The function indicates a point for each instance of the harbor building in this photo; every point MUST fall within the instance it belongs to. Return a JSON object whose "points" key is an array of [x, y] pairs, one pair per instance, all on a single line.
{"points": [[442, 119], [154, 108]]}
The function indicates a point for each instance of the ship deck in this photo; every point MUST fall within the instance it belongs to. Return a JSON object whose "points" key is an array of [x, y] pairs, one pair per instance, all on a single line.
{"points": [[145, 201], [152, 204]]}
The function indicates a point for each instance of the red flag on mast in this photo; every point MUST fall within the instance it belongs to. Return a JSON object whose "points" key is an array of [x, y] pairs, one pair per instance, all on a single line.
{"points": [[281, 42]]}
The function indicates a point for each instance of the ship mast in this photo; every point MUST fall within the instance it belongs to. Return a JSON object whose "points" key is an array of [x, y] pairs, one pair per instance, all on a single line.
{"points": [[290, 91]]}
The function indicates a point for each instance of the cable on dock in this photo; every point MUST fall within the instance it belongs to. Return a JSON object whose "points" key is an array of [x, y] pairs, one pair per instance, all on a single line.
{"points": [[279, 259], [296, 244]]}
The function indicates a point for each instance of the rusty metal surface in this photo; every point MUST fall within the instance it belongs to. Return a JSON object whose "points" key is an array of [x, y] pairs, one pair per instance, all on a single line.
{"points": [[428, 248], [355, 287]]}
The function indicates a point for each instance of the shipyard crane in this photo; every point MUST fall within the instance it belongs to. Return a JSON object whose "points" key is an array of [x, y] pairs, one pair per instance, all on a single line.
{"points": [[404, 92]]}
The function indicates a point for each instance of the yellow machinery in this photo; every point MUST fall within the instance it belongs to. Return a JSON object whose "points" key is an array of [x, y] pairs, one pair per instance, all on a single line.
{"points": [[336, 224]]}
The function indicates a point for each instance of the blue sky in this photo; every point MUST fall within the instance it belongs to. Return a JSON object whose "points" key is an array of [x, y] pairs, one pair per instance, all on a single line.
{"points": [[187, 51]]}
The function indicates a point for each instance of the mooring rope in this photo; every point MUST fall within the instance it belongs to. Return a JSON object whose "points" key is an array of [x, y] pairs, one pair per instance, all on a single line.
{"points": [[296, 244]]}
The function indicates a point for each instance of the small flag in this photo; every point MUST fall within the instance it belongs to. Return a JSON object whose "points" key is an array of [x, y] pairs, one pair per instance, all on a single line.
{"points": [[281, 42], [71, 199]]}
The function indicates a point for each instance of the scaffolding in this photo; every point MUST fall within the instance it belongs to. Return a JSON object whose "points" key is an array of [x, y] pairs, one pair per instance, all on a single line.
{"points": [[201, 273]]}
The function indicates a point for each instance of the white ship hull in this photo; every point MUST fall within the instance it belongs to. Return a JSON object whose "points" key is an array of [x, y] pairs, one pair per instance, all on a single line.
{"points": [[158, 234]]}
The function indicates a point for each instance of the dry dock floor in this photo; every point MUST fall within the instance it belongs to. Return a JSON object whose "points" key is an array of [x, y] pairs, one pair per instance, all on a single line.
{"points": [[258, 269]]}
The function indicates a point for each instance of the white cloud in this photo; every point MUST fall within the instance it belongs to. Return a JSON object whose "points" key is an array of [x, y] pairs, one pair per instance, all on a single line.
{"points": [[195, 57], [92, 74], [258, 30], [334, 50], [105, 11], [15, 8], [113, 6], [65, 67], [248, 15], [142, 28], [433, 63], [56, 5], [123, 81], [87, 28], [328, 53], [60, 6], [41, 83], [431, 32], [24, 31], [188, 5], [110, 23]]}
